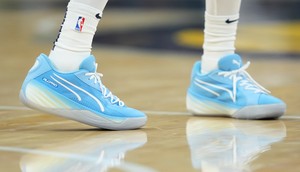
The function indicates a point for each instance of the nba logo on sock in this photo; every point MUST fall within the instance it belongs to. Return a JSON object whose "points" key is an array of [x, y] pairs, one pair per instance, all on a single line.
{"points": [[79, 24]]}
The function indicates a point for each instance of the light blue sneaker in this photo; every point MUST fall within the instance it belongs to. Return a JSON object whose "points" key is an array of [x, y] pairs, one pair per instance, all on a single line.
{"points": [[230, 91], [78, 95]]}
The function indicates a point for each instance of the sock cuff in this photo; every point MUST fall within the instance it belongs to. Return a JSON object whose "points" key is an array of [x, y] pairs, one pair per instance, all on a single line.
{"points": [[222, 18], [84, 9]]}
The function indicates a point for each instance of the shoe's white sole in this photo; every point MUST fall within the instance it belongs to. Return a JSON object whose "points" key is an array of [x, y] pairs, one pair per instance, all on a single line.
{"points": [[89, 118], [209, 108]]}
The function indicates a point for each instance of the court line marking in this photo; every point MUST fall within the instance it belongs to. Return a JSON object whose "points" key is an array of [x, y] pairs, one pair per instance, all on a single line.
{"points": [[165, 112], [152, 112], [48, 153], [127, 166], [14, 108]]}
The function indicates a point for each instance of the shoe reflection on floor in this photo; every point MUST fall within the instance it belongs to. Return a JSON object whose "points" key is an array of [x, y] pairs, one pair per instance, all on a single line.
{"points": [[230, 145], [91, 153]]}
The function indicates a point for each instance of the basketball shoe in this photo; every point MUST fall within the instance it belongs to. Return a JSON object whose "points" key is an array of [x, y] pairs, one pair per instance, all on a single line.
{"points": [[79, 95], [230, 91]]}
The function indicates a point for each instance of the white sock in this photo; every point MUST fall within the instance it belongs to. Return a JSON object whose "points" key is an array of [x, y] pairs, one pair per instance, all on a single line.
{"points": [[75, 38], [221, 20]]}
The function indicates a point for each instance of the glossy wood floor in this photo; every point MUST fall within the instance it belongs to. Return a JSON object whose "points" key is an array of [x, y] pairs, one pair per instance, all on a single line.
{"points": [[154, 82]]}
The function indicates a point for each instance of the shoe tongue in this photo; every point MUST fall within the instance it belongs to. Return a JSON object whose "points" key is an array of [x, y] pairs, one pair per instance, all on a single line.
{"points": [[88, 64], [230, 62]]}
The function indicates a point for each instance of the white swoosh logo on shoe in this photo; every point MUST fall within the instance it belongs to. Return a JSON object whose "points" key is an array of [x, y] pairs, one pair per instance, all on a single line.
{"points": [[202, 84], [81, 89]]}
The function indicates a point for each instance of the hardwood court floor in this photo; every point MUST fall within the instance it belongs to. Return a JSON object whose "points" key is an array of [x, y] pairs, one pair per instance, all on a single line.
{"points": [[154, 82]]}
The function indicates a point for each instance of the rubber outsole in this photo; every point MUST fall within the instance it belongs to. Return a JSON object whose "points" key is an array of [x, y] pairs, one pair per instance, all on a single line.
{"points": [[206, 108]]}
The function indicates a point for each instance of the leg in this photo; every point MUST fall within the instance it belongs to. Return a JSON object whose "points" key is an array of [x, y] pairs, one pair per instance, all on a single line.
{"points": [[74, 40], [67, 83], [221, 20]]}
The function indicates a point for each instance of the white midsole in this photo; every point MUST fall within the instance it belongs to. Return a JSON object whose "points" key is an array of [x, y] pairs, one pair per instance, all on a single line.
{"points": [[202, 107]]}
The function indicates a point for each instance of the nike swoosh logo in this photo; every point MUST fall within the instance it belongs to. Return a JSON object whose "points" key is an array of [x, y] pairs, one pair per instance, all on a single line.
{"points": [[98, 16], [77, 87], [228, 21], [205, 86]]}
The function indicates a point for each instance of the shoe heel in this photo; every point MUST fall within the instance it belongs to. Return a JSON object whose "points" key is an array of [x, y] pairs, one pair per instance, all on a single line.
{"points": [[22, 98]]}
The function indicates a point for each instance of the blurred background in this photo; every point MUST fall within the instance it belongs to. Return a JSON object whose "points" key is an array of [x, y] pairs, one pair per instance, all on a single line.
{"points": [[267, 27]]}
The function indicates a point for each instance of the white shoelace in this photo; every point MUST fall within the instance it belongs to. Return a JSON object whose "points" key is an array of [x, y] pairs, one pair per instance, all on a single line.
{"points": [[105, 92], [246, 80]]}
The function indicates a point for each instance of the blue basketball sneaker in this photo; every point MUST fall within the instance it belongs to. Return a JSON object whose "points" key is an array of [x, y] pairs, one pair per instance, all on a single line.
{"points": [[230, 91], [78, 95]]}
